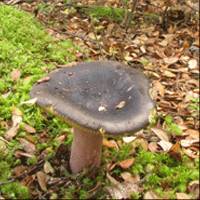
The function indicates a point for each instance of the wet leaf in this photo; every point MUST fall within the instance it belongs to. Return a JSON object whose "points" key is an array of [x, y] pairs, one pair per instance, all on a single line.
{"points": [[125, 164]]}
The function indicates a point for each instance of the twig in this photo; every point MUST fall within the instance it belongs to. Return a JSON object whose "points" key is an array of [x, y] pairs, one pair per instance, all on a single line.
{"points": [[130, 14]]}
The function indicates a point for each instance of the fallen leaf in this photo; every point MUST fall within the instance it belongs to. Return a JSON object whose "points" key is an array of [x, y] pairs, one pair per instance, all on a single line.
{"points": [[192, 64], [27, 146], [48, 168], [128, 139], [189, 142], [12, 132], [140, 142], [120, 105], [165, 145], [128, 177], [181, 195], [29, 128], [123, 190], [193, 188], [170, 60], [19, 154], [150, 195], [175, 151], [15, 74], [190, 153], [125, 164], [169, 74], [193, 134], [44, 79], [153, 147], [161, 134], [110, 143], [42, 180], [160, 89]]}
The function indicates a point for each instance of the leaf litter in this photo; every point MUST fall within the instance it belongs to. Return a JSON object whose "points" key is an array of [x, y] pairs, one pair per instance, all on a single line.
{"points": [[173, 73]]}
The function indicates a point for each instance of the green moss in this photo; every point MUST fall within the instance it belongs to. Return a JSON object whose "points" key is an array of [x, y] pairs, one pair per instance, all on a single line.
{"points": [[99, 12], [26, 46], [15, 191]]}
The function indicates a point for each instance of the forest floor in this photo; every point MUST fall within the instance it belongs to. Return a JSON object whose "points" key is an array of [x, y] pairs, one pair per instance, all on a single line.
{"points": [[161, 161]]}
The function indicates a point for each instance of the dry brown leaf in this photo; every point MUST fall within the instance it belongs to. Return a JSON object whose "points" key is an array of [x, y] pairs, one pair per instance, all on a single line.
{"points": [[42, 180], [123, 190], [140, 142], [190, 153], [193, 187], [192, 64], [12, 132], [160, 89], [15, 74], [175, 151], [19, 154], [189, 142], [128, 139], [48, 168], [165, 145], [128, 177], [125, 164], [161, 134], [16, 120], [153, 147], [169, 74], [29, 128], [181, 195], [193, 134], [170, 60], [110, 143], [27, 146], [150, 195]]}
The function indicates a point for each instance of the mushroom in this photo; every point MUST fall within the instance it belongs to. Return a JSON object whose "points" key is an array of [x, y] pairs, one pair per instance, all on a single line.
{"points": [[96, 98]]}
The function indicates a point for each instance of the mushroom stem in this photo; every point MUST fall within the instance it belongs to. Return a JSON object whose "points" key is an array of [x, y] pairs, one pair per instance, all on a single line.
{"points": [[85, 150]]}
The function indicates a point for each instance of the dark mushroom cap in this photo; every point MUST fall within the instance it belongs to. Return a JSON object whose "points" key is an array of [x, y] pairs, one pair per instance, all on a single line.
{"points": [[103, 95]]}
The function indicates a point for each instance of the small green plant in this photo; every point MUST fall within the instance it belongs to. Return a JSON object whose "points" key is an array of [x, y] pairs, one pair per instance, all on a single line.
{"points": [[171, 126]]}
